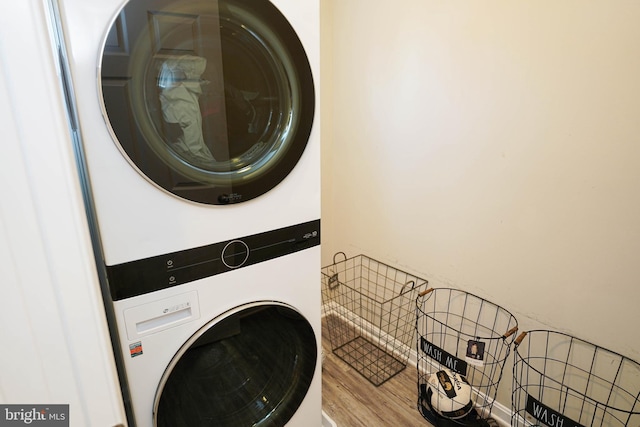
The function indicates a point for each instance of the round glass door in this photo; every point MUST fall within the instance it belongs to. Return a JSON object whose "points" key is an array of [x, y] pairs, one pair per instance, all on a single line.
{"points": [[212, 101], [252, 368]]}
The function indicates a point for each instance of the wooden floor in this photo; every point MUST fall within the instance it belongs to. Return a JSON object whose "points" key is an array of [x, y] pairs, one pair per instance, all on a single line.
{"points": [[352, 401]]}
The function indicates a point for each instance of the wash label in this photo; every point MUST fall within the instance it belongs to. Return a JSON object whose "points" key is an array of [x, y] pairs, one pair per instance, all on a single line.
{"points": [[548, 416], [442, 357]]}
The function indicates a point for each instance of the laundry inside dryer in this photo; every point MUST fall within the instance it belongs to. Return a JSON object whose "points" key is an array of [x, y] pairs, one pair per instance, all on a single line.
{"points": [[207, 96], [252, 368]]}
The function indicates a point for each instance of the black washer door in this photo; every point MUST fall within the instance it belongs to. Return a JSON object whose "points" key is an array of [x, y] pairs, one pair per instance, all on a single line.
{"points": [[252, 368], [212, 101]]}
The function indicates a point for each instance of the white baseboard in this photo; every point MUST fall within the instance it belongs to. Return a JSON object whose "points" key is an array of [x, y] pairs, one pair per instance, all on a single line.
{"points": [[327, 421]]}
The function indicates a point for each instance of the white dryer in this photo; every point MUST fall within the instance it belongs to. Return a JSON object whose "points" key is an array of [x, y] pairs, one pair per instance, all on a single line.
{"points": [[198, 126], [199, 118]]}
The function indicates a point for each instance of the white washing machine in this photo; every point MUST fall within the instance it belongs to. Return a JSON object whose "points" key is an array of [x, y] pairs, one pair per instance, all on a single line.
{"points": [[197, 125], [237, 349]]}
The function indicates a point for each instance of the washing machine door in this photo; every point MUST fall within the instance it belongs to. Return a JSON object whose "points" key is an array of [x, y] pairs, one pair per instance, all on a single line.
{"points": [[251, 367], [212, 101]]}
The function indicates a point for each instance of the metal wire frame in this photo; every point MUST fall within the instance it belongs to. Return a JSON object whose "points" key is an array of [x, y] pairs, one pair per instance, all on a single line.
{"points": [[447, 322], [368, 311], [566, 381]]}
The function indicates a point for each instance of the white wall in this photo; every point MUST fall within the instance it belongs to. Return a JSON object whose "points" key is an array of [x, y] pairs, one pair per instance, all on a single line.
{"points": [[491, 146], [54, 344]]}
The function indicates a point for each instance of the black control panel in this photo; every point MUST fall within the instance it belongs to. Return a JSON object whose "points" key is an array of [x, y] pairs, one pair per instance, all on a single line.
{"points": [[163, 271]]}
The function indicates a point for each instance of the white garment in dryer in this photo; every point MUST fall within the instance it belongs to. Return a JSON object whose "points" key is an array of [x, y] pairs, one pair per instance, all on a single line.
{"points": [[181, 88]]}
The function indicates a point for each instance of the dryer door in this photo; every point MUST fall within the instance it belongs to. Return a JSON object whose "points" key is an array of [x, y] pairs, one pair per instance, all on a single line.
{"points": [[253, 367], [211, 101]]}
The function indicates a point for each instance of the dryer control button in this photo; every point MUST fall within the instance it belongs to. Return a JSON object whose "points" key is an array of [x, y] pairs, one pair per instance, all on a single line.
{"points": [[235, 254]]}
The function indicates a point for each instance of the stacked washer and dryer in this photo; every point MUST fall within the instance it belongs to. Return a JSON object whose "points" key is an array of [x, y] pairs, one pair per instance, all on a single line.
{"points": [[197, 121]]}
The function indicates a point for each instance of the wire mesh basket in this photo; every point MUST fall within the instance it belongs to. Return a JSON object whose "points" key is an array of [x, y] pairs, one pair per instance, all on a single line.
{"points": [[466, 334], [368, 313], [560, 380]]}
